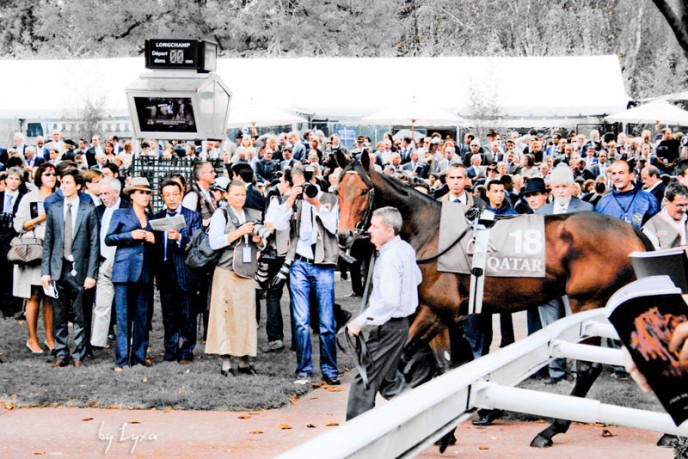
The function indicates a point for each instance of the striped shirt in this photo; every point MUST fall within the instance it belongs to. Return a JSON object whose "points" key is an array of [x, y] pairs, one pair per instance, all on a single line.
{"points": [[396, 277]]}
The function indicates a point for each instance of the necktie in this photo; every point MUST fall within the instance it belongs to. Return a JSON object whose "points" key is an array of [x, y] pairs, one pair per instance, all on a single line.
{"points": [[9, 204], [68, 232], [169, 214]]}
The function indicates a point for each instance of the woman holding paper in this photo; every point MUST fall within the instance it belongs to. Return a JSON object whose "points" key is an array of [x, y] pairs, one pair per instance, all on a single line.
{"points": [[232, 323], [31, 217]]}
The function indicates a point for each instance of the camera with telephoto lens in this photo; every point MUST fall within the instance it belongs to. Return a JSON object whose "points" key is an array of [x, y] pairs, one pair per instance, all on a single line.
{"points": [[261, 230], [310, 190]]}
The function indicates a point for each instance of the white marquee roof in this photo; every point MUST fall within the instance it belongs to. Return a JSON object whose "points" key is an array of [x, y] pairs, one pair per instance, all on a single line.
{"points": [[338, 88]]}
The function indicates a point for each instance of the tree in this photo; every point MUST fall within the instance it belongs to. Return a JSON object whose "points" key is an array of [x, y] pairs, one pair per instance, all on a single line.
{"points": [[676, 14]]}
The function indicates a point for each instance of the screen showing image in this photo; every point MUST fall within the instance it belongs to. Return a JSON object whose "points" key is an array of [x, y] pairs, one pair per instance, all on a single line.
{"points": [[165, 114]]}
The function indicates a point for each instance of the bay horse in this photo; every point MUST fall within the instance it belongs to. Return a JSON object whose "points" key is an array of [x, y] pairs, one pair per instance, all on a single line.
{"points": [[586, 259]]}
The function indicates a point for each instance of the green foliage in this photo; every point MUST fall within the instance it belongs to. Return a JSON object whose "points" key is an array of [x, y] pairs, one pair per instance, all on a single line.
{"points": [[651, 58]]}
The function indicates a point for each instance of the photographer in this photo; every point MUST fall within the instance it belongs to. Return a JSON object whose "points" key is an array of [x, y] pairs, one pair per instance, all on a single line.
{"points": [[274, 326], [312, 218]]}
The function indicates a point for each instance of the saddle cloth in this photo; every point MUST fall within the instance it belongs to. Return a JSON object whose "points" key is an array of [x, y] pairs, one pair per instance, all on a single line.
{"points": [[516, 245]]}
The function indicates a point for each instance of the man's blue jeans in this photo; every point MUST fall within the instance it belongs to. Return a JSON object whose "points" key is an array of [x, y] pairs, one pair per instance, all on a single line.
{"points": [[303, 278]]}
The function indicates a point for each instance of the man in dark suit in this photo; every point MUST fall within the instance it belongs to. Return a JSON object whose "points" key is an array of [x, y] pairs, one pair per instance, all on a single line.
{"points": [[254, 199], [9, 200], [652, 182], [96, 149], [70, 259], [41, 150], [287, 161], [32, 160], [266, 167], [176, 282], [415, 166]]}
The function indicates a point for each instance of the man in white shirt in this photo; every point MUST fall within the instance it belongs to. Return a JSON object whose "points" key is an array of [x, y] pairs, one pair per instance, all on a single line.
{"points": [[394, 297]]}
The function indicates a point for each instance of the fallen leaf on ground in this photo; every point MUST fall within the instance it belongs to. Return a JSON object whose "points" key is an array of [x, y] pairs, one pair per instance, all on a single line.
{"points": [[149, 362], [294, 398], [244, 416], [13, 396], [284, 427], [597, 424], [39, 453], [87, 419], [316, 384], [310, 426], [332, 424], [606, 433], [483, 447], [134, 422], [9, 406], [256, 432], [540, 421], [145, 379]]}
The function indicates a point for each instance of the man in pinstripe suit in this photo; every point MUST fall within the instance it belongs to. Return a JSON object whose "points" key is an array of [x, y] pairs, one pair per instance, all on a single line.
{"points": [[177, 283]]}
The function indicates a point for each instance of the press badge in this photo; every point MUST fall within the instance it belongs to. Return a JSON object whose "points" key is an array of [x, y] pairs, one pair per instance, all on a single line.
{"points": [[246, 255]]}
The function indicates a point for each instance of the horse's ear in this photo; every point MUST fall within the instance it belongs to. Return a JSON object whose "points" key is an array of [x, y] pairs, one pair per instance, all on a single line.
{"points": [[342, 159], [365, 160]]}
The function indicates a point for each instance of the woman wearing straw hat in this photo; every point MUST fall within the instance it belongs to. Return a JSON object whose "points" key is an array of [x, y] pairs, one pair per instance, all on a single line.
{"points": [[132, 274]]}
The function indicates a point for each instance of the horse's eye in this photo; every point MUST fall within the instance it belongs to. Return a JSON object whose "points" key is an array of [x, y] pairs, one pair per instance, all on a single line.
{"points": [[365, 192]]}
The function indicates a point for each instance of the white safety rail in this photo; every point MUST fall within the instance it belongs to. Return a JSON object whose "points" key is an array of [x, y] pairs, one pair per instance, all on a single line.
{"points": [[413, 421]]}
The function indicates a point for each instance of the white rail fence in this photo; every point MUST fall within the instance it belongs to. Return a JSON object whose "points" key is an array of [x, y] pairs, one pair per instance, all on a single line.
{"points": [[411, 422]]}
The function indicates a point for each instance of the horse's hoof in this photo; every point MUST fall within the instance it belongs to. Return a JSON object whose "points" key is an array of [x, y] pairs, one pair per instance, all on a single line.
{"points": [[446, 441], [667, 441], [541, 442]]}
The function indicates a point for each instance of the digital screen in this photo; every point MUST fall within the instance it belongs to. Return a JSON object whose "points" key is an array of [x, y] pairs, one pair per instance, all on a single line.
{"points": [[165, 114]]}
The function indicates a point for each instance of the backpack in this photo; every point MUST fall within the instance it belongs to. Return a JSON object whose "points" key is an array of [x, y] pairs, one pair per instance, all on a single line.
{"points": [[198, 254]]}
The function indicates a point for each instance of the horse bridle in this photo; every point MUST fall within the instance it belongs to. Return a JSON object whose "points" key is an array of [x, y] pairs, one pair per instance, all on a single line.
{"points": [[359, 229]]}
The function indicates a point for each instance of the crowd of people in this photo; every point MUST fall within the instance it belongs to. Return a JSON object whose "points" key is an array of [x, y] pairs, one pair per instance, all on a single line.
{"points": [[272, 214]]}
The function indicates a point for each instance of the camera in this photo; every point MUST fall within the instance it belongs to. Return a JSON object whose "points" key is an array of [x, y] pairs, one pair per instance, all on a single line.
{"points": [[310, 190], [261, 230], [347, 259], [262, 275]]}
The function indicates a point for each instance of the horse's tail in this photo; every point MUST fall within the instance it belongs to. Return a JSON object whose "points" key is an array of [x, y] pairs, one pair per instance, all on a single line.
{"points": [[649, 246]]}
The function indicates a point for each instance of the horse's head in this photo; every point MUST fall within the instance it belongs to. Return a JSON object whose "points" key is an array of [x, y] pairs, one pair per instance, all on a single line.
{"points": [[356, 197]]}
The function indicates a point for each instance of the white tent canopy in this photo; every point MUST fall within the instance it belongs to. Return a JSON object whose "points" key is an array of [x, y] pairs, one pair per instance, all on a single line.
{"points": [[338, 88], [654, 112], [258, 115]]}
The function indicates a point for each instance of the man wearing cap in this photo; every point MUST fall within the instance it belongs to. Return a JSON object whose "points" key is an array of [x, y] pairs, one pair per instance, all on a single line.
{"points": [[561, 182], [70, 264], [175, 281]]}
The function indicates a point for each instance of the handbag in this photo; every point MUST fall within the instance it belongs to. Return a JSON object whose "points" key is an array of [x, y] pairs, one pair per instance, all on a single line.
{"points": [[199, 255], [25, 250]]}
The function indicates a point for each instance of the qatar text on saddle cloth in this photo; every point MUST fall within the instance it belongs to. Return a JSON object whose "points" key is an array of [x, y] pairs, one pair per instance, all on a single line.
{"points": [[516, 245]]}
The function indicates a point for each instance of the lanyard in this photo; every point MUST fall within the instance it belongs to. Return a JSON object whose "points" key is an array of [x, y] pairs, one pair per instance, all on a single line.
{"points": [[625, 210]]}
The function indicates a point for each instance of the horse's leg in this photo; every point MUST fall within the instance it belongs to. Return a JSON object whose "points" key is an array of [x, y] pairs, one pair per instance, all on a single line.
{"points": [[587, 374]]}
